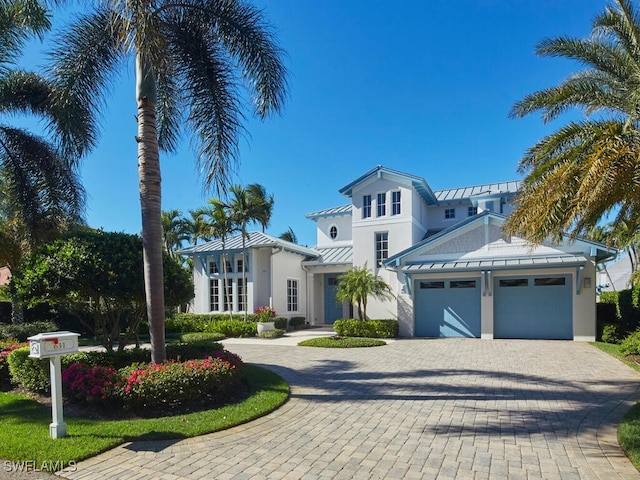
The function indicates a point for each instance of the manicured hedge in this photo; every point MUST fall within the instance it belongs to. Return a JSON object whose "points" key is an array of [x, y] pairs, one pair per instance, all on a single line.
{"points": [[366, 328], [619, 311], [21, 331], [297, 322]]}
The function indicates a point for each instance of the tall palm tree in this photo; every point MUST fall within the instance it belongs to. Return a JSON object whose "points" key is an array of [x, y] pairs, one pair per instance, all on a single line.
{"points": [[191, 58], [263, 202], [590, 168], [197, 227], [40, 193], [174, 231]]}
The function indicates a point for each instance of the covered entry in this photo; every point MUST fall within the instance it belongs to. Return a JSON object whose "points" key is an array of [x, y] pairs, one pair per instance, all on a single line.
{"points": [[447, 308], [534, 306]]}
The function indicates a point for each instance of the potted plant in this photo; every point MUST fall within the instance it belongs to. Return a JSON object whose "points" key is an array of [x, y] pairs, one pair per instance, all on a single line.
{"points": [[266, 316]]}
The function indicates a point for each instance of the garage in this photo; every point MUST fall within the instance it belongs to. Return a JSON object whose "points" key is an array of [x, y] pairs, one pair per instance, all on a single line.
{"points": [[447, 308], [533, 307]]}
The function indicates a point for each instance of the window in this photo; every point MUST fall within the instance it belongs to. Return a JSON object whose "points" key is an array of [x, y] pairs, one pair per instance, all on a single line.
{"points": [[382, 247], [241, 288], [213, 267], [228, 291], [395, 203], [333, 232], [473, 211], [514, 282], [214, 295], [550, 281], [382, 204], [229, 266], [366, 206], [425, 285], [489, 206], [450, 213], [292, 295], [239, 265], [462, 284]]}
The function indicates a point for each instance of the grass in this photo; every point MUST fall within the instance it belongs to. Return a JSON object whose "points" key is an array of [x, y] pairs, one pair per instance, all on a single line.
{"points": [[25, 424], [629, 427], [341, 342]]}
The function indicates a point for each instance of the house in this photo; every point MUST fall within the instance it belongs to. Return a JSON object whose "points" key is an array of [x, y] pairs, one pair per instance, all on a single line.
{"points": [[452, 269]]}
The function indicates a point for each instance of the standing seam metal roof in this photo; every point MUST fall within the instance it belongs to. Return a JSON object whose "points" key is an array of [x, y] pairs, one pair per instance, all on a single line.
{"points": [[476, 190]]}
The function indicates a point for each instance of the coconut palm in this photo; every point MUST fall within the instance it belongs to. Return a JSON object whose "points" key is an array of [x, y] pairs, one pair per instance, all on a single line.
{"points": [[591, 168], [40, 193], [357, 284], [263, 202], [191, 59]]}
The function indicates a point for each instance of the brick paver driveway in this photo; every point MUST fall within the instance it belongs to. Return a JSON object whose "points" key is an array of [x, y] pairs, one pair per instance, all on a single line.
{"points": [[414, 409]]}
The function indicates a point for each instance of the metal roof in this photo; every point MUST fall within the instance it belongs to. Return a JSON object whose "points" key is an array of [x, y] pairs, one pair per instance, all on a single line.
{"points": [[493, 263], [333, 256], [253, 239], [477, 190], [342, 210]]}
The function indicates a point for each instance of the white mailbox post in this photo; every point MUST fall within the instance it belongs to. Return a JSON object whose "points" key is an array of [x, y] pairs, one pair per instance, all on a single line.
{"points": [[51, 345]]}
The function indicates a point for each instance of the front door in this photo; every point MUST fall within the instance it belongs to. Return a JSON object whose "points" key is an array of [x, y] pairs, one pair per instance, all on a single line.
{"points": [[332, 309]]}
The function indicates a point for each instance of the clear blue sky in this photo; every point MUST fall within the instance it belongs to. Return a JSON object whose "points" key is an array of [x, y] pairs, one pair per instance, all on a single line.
{"points": [[420, 86]]}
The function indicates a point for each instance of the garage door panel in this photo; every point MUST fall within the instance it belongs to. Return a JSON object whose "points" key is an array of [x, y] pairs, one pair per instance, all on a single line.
{"points": [[533, 307], [447, 308]]}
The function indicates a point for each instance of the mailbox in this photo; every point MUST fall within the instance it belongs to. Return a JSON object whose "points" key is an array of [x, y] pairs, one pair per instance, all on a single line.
{"points": [[52, 344]]}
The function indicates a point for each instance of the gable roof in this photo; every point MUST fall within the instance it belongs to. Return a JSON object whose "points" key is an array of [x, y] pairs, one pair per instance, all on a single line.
{"points": [[602, 252], [419, 184], [253, 240]]}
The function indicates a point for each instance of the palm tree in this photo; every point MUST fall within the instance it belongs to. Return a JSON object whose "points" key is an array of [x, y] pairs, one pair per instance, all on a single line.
{"points": [[289, 236], [586, 169], [197, 227], [357, 284], [263, 203], [174, 231], [40, 193], [190, 59]]}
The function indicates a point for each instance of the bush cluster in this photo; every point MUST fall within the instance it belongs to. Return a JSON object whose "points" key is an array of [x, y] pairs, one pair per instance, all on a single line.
{"points": [[6, 347], [297, 322], [21, 331], [631, 344], [366, 328], [89, 384]]}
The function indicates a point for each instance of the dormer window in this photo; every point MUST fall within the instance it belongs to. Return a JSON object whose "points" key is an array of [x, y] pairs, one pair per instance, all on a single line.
{"points": [[382, 204], [366, 206], [395, 203], [333, 232], [450, 213]]}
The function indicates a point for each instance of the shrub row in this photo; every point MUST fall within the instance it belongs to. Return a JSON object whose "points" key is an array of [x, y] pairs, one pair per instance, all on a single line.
{"points": [[221, 323], [6, 347], [33, 374], [366, 328], [618, 314], [21, 331]]}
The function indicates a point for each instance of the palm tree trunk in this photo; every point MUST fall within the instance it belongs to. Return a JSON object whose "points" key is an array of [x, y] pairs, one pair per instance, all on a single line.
{"points": [[150, 200], [17, 313]]}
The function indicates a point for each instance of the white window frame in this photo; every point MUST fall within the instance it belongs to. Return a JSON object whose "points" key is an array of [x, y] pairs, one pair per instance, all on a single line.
{"points": [[396, 202], [293, 295], [381, 247], [449, 213], [366, 206], [332, 227], [214, 295], [381, 206]]}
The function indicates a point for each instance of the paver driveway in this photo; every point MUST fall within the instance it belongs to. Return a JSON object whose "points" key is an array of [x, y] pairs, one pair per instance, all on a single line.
{"points": [[414, 409]]}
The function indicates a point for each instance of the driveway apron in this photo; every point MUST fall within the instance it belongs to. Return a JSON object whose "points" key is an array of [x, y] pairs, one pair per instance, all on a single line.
{"points": [[413, 409]]}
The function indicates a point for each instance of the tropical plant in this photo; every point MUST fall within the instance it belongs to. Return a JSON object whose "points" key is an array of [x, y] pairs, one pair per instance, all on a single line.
{"points": [[289, 236], [174, 231], [190, 59], [40, 193], [196, 227], [263, 203], [357, 284], [587, 169]]}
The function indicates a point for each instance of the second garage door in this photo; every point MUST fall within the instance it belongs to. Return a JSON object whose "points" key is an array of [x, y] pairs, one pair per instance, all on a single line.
{"points": [[447, 308], [534, 306]]}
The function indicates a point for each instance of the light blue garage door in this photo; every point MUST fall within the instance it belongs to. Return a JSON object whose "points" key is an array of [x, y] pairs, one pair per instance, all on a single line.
{"points": [[447, 308], [533, 307]]}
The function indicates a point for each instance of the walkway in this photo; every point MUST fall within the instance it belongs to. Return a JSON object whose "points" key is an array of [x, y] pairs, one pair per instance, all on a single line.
{"points": [[414, 409]]}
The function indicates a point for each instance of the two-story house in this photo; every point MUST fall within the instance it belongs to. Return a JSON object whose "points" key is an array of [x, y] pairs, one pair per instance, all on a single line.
{"points": [[451, 268]]}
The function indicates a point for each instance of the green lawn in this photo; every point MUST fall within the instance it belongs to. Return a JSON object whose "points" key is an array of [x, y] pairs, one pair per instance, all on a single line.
{"points": [[629, 427], [25, 424]]}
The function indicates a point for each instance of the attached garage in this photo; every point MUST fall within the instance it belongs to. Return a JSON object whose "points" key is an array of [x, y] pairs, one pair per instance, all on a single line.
{"points": [[533, 307], [447, 307]]}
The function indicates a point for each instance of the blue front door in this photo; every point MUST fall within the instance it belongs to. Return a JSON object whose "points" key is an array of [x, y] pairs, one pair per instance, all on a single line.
{"points": [[332, 309]]}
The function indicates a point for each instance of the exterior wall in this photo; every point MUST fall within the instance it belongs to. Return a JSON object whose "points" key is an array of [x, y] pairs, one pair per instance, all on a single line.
{"points": [[287, 266], [342, 223], [260, 268], [437, 220]]}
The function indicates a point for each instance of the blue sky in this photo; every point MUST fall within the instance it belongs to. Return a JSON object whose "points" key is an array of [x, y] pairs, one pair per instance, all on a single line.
{"points": [[420, 86]]}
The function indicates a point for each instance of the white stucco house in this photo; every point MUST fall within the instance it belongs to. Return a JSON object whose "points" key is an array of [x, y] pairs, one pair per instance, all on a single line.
{"points": [[451, 268]]}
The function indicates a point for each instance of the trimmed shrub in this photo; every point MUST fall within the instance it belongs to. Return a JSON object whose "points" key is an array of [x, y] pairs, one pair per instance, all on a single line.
{"points": [[277, 333], [280, 323], [164, 385], [341, 342], [367, 328], [611, 333], [89, 384], [233, 328], [297, 322], [631, 344], [198, 337], [30, 373], [6, 347], [201, 322], [23, 330]]}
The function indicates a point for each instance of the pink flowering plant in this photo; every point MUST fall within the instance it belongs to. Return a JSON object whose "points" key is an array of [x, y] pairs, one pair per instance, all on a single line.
{"points": [[171, 383], [89, 384], [6, 347]]}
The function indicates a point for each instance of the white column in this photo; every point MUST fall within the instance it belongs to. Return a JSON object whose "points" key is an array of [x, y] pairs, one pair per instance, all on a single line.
{"points": [[57, 428]]}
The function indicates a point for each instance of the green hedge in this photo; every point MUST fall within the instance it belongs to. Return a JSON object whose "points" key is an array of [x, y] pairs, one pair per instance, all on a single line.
{"points": [[366, 328], [204, 322], [620, 309], [21, 331], [297, 322]]}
